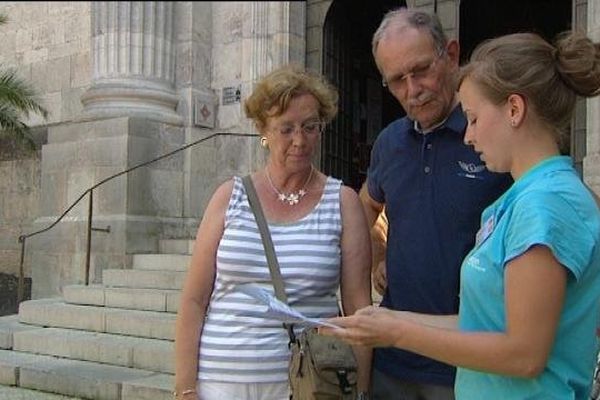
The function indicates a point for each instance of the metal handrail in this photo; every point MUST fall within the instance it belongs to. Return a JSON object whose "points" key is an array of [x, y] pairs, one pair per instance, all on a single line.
{"points": [[23, 238]]}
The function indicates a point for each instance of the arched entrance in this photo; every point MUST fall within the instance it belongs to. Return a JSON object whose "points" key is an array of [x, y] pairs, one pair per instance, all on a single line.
{"points": [[365, 106], [482, 20]]}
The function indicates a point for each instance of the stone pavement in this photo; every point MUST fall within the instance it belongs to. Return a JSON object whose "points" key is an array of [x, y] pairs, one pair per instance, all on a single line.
{"points": [[15, 393]]}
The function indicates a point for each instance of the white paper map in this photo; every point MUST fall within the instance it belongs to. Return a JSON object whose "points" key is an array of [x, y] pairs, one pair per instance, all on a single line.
{"points": [[279, 310]]}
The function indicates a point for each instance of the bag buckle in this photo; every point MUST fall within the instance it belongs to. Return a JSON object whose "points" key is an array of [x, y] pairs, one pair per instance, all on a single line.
{"points": [[342, 375]]}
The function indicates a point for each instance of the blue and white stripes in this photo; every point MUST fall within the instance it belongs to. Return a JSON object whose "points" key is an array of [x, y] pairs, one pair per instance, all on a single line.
{"points": [[237, 343]]}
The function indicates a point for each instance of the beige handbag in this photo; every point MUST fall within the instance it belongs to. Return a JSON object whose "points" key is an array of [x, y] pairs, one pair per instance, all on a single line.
{"points": [[321, 367]]}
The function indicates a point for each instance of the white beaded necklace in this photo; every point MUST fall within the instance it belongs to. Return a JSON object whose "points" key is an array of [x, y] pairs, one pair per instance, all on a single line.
{"points": [[291, 198]]}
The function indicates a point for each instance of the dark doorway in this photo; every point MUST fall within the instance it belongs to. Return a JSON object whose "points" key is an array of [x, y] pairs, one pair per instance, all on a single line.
{"points": [[481, 20], [365, 107]]}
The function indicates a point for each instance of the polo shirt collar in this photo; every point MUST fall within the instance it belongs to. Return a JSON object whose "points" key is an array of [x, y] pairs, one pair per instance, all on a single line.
{"points": [[456, 122], [550, 164]]}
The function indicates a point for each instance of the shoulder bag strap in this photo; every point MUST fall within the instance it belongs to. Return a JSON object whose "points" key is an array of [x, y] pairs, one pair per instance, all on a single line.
{"points": [[268, 246]]}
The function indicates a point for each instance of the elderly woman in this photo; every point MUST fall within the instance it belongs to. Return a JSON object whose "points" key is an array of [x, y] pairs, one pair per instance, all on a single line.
{"points": [[225, 349], [529, 293]]}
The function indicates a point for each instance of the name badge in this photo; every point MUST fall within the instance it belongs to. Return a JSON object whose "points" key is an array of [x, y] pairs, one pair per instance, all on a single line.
{"points": [[485, 231]]}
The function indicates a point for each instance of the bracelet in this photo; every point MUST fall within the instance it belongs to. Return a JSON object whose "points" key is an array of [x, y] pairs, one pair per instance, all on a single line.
{"points": [[183, 393]]}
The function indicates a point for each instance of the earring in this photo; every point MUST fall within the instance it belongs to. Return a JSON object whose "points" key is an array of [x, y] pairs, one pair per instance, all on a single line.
{"points": [[513, 122], [263, 142]]}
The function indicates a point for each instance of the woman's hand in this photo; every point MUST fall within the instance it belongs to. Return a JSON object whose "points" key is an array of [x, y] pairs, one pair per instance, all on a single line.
{"points": [[370, 326]]}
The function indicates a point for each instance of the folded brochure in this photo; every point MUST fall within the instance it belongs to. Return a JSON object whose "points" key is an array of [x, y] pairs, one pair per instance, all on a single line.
{"points": [[278, 310]]}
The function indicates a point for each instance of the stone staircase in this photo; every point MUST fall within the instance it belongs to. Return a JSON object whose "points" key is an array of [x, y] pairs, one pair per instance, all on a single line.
{"points": [[103, 342]]}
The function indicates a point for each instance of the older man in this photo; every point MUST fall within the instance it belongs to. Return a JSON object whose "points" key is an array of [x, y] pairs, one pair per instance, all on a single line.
{"points": [[433, 188]]}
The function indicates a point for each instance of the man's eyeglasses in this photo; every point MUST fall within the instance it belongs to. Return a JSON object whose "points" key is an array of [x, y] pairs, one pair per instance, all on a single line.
{"points": [[417, 73], [308, 128]]}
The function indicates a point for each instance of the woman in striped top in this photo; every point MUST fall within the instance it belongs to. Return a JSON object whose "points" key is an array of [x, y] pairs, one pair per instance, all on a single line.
{"points": [[225, 347]]}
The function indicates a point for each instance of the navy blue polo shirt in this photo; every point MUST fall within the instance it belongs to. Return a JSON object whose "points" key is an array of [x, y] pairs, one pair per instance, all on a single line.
{"points": [[434, 188]]}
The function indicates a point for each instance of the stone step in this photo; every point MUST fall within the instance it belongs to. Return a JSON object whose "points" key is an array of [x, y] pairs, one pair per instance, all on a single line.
{"points": [[58, 314], [125, 351], [83, 379], [133, 278], [10, 324], [17, 393], [176, 246], [131, 298], [163, 262]]}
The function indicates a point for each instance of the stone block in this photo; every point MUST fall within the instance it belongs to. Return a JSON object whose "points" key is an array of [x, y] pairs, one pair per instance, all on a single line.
{"points": [[54, 313], [34, 15], [9, 374], [63, 50], [71, 106], [137, 299], [155, 192], [228, 20], [78, 27], [53, 270], [84, 295], [147, 324], [78, 345], [81, 71], [23, 40], [33, 56], [57, 156], [316, 12], [54, 193], [156, 387], [154, 355], [227, 57], [52, 101], [297, 13], [142, 150], [9, 235], [8, 48], [143, 279], [184, 65], [447, 12], [9, 325], [233, 155], [202, 189], [173, 300], [76, 131]]}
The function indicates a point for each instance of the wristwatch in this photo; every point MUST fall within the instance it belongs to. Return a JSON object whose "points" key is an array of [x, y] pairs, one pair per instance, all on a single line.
{"points": [[362, 396]]}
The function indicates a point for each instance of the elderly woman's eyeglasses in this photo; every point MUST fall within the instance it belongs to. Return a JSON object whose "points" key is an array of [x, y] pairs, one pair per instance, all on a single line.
{"points": [[418, 73], [307, 128]]}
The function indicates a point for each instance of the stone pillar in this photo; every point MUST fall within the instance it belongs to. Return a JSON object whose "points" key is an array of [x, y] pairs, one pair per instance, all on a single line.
{"points": [[129, 118], [274, 35], [591, 162], [133, 61], [448, 12]]}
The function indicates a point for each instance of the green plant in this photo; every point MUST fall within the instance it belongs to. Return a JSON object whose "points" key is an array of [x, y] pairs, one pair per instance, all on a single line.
{"points": [[17, 100]]}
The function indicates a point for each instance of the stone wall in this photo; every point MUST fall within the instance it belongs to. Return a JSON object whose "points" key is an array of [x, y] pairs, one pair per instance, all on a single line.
{"points": [[591, 162], [19, 205], [49, 43]]}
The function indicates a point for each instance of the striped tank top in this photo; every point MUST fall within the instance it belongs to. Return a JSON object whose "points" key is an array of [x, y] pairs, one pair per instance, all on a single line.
{"points": [[238, 344]]}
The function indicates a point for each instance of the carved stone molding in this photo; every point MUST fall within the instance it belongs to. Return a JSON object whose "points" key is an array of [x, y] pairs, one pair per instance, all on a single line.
{"points": [[133, 61]]}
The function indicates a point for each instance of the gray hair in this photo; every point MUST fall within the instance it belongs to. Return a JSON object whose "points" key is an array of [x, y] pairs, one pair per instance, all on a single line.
{"points": [[403, 17]]}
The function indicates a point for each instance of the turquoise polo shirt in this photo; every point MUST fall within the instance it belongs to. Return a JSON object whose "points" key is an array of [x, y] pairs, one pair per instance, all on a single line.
{"points": [[549, 206]]}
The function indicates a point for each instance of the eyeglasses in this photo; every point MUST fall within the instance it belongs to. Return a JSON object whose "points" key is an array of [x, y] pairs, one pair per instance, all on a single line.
{"points": [[417, 73], [307, 128]]}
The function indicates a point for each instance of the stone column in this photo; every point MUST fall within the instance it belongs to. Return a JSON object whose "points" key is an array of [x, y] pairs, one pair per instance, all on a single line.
{"points": [[129, 118], [133, 61], [273, 35], [591, 162]]}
